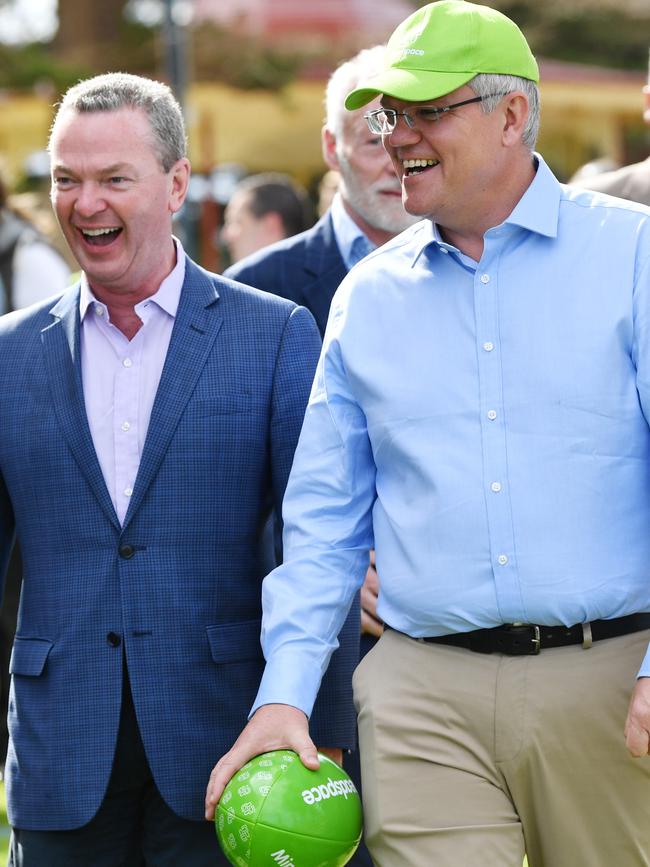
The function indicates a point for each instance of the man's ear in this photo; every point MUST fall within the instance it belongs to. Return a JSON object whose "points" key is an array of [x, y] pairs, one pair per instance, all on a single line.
{"points": [[329, 149], [180, 179], [515, 114]]}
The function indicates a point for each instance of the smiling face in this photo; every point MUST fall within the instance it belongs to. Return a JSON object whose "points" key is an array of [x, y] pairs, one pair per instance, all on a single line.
{"points": [[368, 184], [113, 200], [454, 170]]}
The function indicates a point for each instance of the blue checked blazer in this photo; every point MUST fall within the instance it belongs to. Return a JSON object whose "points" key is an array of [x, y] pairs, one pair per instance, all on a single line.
{"points": [[306, 268], [177, 587]]}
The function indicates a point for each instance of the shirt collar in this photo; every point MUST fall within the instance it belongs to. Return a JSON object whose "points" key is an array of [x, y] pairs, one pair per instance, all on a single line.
{"points": [[167, 297], [536, 211], [346, 231]]}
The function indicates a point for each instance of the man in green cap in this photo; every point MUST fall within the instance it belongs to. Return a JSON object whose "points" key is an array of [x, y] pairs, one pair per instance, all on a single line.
{"points": [[480, 415]]}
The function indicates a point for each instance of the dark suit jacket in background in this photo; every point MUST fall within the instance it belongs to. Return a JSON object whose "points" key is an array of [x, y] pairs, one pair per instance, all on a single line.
{"points": [[306, 268], [177, 587], [629, 182]]}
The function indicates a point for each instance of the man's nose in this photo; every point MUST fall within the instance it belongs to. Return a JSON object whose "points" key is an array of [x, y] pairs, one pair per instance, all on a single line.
{"points": [[90, 200]]}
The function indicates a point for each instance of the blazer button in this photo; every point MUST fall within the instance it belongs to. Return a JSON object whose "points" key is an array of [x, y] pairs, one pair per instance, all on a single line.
{"points": [[113, 639], [126, 551]]}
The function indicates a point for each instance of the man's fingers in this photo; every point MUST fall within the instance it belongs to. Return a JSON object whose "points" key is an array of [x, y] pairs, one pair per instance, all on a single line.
{"points": [[370, 622], [637, 725], [309, 758], [222, 773], [371, 626], [636, 740], [273, 727]]}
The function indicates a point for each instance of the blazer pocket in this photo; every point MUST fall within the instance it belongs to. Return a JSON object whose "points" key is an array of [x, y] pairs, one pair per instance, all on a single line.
{"points": [[235, 642], [222, 404], [29, 656]]}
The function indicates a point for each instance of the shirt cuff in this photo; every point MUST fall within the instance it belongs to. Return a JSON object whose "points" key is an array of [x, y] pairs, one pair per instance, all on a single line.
{"points": [[287, 680]]}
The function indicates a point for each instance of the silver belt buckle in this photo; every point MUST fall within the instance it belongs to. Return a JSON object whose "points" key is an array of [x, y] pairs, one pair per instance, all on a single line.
{"points": [[535, 637], [536, 640]]}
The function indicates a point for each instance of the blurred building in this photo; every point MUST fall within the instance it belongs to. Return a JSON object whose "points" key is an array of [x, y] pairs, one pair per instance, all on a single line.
{"points": [[361, 21]]}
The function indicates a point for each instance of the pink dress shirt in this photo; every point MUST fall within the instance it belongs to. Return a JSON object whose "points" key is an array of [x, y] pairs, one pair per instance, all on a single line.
{"points": [[121, 376]]}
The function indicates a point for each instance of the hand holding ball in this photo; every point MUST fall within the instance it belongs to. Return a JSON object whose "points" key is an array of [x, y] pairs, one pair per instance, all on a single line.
{"points": [[276, 811]]}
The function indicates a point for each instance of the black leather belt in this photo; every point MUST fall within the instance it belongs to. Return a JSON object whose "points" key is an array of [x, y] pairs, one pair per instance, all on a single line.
{"points": [[528, 639]]}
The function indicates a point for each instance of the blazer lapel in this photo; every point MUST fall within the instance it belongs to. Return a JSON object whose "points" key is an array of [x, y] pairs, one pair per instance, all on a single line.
{"points": [[63, 365], [198, 321]]}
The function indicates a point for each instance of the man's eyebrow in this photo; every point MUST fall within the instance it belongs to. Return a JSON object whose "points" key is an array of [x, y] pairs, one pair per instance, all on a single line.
{"points": [[114, 169], [117, 168]]}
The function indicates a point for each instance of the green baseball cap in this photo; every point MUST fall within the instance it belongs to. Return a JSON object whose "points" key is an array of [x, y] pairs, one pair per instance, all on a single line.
{"points": [[443, 46]]}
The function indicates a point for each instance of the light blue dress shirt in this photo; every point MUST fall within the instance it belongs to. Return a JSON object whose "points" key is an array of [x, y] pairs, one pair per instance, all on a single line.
{"points": [[485, 427]]}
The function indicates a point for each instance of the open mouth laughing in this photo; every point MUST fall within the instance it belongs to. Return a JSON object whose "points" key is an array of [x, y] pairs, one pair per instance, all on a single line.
{"points": [[100, 237], [415, 167]]}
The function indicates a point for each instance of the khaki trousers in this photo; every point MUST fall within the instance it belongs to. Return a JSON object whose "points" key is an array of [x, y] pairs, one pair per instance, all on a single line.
{"points": [[469, 759]]}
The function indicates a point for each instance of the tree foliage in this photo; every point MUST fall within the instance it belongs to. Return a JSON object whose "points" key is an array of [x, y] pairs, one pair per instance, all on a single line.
{"points": [[241, 61], [613, 33]]}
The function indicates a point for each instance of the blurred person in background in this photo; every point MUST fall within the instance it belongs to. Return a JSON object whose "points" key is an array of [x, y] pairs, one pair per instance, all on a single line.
{"points": [[366, 211], [629, 182], [263, 209], [31, 269]]}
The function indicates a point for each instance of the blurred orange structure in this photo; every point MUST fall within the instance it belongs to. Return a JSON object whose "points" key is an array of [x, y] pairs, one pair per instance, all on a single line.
{"points": [[586, 112]]}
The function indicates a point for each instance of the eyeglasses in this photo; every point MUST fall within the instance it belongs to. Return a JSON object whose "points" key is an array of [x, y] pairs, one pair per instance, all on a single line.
{"points": [[382, 121]]}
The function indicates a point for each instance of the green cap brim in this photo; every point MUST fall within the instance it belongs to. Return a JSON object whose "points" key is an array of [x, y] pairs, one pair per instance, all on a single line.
{"points": [[411, 85]]}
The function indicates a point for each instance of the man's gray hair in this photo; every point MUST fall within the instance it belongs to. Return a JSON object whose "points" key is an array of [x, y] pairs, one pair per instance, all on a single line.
{"points": [[116, 90], [485, 84], [345, 78]]}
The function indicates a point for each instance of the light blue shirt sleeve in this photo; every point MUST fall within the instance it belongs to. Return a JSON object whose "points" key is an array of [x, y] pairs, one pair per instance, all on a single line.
{"points": [[327, 534]]}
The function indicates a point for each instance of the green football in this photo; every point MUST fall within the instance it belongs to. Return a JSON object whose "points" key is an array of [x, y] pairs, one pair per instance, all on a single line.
{"points": [[275, 811]]}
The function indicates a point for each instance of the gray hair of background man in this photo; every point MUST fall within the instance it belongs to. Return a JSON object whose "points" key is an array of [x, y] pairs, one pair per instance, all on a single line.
{"points": [[344, 79], [485, 84], [116, 90]]}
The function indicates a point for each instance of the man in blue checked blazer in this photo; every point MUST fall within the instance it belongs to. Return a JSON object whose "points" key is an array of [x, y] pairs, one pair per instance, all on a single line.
{"points": [[149, 418]]}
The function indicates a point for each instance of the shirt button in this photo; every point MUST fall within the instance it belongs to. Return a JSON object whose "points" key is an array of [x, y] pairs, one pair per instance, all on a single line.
{"points": [[496, 487], [485, 278], [128, 492], [126, 425], [127, 362], [492, 414], [502, 559], [443, 249], [488, 346], [99, 310]]}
